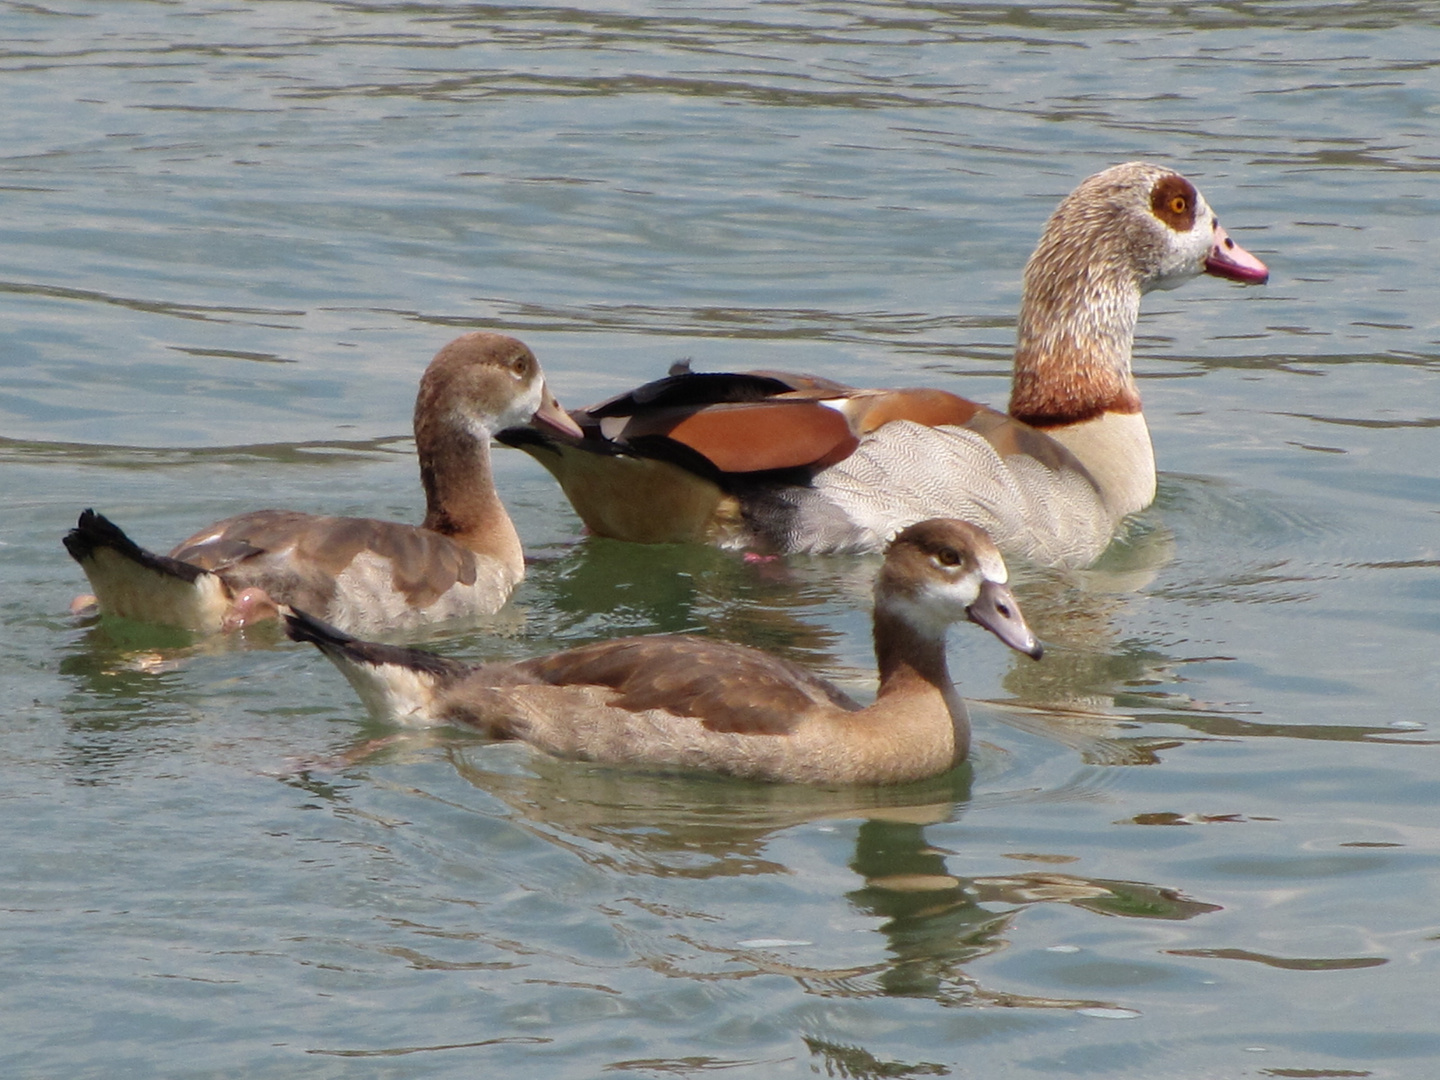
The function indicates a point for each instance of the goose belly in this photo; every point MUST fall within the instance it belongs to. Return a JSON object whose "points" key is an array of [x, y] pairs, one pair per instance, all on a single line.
{"points": [[366, 600]]}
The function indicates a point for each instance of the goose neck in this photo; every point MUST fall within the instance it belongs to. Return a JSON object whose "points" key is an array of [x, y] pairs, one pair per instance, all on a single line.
{"points": [[460, 497], [1074, 336], [909, 657]]}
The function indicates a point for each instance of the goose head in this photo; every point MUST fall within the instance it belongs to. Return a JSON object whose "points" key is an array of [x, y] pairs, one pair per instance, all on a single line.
{"points": [[1138, 226], [481, 383], [1121, 233], [944, 571]]}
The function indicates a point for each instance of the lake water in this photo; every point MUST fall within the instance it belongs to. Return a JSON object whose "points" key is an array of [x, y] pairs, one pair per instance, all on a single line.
{"points": [[1199, 840]]}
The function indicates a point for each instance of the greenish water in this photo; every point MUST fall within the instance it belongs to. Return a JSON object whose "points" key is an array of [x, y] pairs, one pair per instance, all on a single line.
{"points": [[1199, 840]]}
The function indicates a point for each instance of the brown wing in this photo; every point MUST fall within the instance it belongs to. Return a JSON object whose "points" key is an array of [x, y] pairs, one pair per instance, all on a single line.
{"points": [[296, 557], [744, 437], [716, 423], [789, 430], [726, 687], [921, 405]]}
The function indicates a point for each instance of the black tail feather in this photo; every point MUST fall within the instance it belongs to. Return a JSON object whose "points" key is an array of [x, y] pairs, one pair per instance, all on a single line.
{"points": [[691, 389], [95, 531], [657, 447], [303, 627]]}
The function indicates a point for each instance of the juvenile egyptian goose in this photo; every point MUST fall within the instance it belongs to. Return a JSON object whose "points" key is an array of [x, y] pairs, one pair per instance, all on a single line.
{"points": [[787, 463], [362, 574], [692, 703]]}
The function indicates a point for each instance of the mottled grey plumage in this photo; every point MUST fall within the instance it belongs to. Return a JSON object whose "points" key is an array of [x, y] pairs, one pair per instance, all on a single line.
{"points": [[906, 472]]}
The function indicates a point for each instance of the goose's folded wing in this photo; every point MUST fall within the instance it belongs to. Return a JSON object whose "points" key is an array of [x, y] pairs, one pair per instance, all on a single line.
{"points": [[726, 687], [300, 556]]}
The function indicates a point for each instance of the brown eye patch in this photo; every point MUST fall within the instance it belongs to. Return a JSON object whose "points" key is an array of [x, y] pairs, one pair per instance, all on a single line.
{"points": [[1173, 201]]}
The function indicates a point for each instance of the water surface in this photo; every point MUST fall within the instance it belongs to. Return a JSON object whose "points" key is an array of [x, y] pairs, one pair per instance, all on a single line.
{"points": [[1199, 839]]}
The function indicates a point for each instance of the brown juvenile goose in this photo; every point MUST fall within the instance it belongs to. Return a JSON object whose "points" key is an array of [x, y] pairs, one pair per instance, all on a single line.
{"points": [[778, 462], [366, 575], [694, 703]]}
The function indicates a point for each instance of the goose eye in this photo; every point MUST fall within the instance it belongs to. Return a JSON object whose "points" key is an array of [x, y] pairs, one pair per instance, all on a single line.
{"points": [[947, 557], [1179, 204]]}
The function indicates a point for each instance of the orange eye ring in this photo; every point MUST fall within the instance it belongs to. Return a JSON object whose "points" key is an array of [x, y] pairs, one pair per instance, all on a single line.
{"points": [[1179, 204]]}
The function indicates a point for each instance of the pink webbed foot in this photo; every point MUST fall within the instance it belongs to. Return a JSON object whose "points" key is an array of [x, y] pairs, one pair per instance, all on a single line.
{"points": [[250, 606]]}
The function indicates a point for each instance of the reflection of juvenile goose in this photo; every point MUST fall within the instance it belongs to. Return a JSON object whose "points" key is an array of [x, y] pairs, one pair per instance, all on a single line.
{"points": [[693, 703], [794, 463], [363, 574]]}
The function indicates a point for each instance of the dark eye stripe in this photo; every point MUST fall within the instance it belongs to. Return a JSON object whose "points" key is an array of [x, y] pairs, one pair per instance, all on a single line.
{"points": [[1173, 200]]}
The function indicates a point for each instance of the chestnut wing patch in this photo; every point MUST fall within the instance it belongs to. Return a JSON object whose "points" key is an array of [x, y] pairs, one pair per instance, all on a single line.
{"points": [[728, 422], [716, 424], [921, 405], [761, 436], [726, 687], [795, 430]]}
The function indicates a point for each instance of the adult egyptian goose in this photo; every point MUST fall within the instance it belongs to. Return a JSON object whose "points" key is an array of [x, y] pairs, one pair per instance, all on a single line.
{"points": [[680, 702], [362, 574], [787, 463]]}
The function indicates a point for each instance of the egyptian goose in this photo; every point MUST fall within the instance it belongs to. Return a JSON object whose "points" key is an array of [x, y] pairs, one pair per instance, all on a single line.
{"points": [[681, 702], [777, 462], [362, 574]]}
